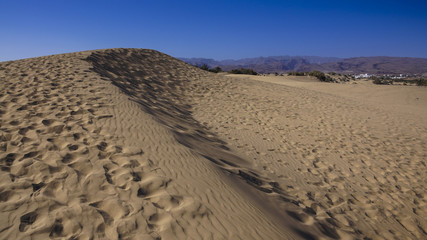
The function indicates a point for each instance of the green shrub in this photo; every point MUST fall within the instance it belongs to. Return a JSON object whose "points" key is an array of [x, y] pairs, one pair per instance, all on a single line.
{"points": [[243, 71], [295, 73], [204, 67], [321, 76], [215, 70], [382, 81], [421, 82]]}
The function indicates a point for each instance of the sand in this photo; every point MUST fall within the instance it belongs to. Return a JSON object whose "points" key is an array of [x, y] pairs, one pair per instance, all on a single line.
{"points": [[134, 144]]}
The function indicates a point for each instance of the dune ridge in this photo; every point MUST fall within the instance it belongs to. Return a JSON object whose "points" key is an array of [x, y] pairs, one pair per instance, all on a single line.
{"points": [[152, 72]]}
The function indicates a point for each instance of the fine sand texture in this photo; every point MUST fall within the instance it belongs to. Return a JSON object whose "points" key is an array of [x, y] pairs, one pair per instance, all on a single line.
{"points": [[352, 154], [135, 144]]}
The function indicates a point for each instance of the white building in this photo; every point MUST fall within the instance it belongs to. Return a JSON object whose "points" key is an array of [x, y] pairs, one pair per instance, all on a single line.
{"points": [[363, 75]]}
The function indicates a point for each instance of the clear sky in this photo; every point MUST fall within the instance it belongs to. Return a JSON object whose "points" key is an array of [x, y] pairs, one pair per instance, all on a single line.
{"points": [[215, 29]]}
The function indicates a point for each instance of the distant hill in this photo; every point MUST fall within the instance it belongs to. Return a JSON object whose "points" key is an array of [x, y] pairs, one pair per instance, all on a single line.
{"points": [[280, 64], [263, 64], [374, 65]]}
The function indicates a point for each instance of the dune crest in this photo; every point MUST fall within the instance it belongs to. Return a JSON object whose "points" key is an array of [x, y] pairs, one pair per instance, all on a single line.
{"points": [[164, 88]]}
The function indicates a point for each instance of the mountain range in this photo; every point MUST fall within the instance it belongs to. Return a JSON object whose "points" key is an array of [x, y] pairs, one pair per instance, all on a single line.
{"points": [[357, 65]]}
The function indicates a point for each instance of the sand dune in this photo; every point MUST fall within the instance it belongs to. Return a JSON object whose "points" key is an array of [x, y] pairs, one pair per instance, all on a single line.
{"points": [[134, 144]]}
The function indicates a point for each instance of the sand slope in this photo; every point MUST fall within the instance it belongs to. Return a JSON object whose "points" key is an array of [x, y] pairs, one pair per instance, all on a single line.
{"points": [[353, 154], [134, 144]]}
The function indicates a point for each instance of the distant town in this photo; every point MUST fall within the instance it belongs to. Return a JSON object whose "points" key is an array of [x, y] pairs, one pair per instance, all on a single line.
{"points": [[381, 79], [391, 76]]}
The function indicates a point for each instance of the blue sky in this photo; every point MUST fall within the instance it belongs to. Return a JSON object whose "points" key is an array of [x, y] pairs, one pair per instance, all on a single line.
{"points": [[215, 29]]}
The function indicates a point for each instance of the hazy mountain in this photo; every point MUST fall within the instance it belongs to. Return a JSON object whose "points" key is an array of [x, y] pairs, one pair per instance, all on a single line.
{"points": [[373, 65], [263, 64]]}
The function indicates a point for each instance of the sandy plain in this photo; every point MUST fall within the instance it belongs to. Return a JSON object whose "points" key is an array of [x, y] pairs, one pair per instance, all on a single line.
{"points": [[134, 144]]}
